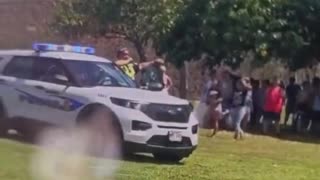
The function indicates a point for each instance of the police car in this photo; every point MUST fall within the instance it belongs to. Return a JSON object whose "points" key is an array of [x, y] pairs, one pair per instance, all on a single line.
{"points": [[61, 84]]}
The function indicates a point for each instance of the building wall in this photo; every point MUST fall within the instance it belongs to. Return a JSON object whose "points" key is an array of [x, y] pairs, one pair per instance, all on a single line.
{"points": [[23, 22]]}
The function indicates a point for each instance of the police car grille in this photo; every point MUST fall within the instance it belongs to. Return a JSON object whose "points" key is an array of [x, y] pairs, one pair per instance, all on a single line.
{"points": [[168, 113], [163, 141]]}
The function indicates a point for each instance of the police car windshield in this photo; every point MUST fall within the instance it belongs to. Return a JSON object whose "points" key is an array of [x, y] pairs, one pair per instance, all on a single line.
{"points": [[91, 74]]}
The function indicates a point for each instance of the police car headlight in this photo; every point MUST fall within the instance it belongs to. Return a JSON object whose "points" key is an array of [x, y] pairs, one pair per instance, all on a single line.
{"points": [[127, 103]]}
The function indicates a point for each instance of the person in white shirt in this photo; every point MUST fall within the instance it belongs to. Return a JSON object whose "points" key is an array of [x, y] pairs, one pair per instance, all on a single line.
{"points": [[202, 109], [167, 81]]}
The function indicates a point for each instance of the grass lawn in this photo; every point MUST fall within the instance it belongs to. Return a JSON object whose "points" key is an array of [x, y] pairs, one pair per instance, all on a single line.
{"points": [[221, 157]]}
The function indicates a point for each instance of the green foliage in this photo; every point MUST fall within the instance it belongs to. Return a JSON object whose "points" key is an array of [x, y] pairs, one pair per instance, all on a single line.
{"points": [[222, 31], [138, 21], [183, 42], [71, 17], [305, 16], [225, 30]]}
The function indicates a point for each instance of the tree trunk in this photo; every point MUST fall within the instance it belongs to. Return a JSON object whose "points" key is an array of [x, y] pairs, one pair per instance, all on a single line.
{"points": [[141, 51], [183, 83]]}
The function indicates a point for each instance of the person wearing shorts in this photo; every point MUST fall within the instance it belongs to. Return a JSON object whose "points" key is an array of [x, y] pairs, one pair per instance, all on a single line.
{"points": [[202, 109], [274, 102], [239, 108], [214, 111], [228, 79]]}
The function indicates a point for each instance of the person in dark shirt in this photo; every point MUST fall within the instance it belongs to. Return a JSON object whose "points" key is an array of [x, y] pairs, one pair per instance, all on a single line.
{"points": [[292, 92], [255, 103], [304, 107], [129, 66], [240, 107], [315, 103], [229, 78], [228, 83]]}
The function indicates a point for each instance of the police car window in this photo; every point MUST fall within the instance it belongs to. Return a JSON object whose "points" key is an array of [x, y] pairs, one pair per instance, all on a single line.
{"points": [[91, 74], [48, 70], [20, 67]]}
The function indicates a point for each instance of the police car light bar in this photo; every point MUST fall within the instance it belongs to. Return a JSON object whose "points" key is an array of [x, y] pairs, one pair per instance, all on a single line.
{"points": [[64, 48]]}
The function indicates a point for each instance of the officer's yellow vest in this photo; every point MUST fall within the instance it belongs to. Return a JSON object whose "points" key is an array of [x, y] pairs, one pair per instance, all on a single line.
{"points": [[129, 69]]}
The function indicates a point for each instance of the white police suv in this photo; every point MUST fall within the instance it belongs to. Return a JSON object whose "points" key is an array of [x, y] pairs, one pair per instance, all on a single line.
{"points": [[60, 84]]}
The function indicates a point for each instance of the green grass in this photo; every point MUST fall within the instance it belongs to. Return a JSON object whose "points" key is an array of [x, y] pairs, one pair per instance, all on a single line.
{"points": [[255, 158]]}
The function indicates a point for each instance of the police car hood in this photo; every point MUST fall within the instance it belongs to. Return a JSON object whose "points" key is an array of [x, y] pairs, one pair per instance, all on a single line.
{"points": [[141, 95]]}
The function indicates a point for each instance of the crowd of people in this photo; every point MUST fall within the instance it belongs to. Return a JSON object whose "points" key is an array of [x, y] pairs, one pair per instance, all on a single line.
{"points": [[231, 101]]}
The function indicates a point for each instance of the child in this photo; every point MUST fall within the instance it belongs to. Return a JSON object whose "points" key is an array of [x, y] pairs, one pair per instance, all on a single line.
{"points": [[214, 102]]}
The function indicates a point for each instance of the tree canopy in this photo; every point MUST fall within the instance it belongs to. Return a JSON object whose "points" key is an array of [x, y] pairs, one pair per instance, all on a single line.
{"points": [[138, 21], [225, 30], [221, 31]]}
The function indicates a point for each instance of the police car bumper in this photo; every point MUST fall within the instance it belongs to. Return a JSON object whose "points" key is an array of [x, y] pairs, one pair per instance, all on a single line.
{"points": [[164, 140], [142, 134], [147, 148]]}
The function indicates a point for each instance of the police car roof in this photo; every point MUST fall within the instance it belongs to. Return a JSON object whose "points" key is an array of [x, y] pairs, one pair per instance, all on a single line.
{"points": [[55, 54]]}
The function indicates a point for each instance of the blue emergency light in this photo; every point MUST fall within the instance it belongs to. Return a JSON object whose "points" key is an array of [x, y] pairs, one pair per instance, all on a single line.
{"points": [[63, 48]]}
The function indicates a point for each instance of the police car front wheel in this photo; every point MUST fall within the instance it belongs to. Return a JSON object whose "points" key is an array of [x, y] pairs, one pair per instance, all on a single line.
{"points": [[101, 121], [3, 124]]}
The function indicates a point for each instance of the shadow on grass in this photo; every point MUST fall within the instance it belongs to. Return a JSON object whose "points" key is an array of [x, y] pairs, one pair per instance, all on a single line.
{"points": [[137, 158], [288, 134], [311, 139], [18, 138], [144, 158]]}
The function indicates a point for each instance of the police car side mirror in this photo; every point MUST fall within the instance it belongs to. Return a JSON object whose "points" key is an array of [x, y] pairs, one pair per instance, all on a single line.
{"points": [[60, 79]]}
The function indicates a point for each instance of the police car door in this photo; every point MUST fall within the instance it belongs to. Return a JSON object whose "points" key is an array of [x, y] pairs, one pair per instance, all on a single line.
{"points": [[14, 71], [44, 97]]}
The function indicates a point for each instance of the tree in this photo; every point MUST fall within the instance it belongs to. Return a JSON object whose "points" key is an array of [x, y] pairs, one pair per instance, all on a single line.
{"points": [[226, 30], [304, 18], [222, 30], [138, 21]]}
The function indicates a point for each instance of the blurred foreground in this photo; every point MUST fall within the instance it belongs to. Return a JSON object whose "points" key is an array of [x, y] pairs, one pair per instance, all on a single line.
{"points": [[87, 151], [257, 157]]}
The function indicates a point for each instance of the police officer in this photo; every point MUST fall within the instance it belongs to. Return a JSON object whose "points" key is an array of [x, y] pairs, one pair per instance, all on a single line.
{"points": [[127, 64]]}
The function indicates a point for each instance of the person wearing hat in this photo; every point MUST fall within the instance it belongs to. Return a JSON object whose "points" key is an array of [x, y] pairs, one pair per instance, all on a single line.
{"points": [[214, 111], [214, 100], [240, 102], [127, 64]]}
